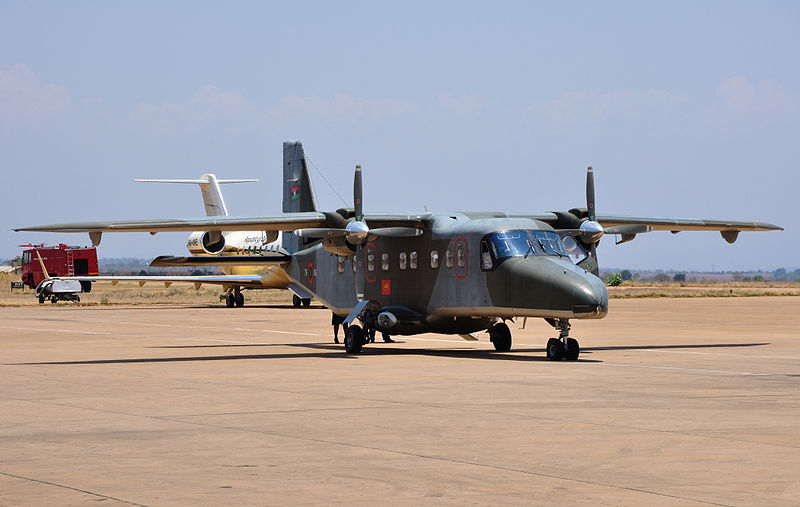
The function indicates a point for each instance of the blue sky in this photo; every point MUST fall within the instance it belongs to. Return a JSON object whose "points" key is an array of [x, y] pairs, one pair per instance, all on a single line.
{"points": [[684, 109]]}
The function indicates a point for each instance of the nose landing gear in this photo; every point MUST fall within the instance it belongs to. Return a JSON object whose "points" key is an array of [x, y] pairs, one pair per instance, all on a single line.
{"points": [[562, 347]]}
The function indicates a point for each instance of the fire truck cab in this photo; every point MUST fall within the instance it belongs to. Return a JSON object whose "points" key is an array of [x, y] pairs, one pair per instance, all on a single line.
{"points": [[59, 260]]}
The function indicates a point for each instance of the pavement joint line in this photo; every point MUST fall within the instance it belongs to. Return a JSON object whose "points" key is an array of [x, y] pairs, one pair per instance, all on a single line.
{"points": [[693, 370], [244, 329], [748, 356], [57, 330], [40, 481], [450, 460]]}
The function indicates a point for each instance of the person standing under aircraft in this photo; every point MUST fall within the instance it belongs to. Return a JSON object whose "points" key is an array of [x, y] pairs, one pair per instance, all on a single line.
{"points": [[337, 320]]}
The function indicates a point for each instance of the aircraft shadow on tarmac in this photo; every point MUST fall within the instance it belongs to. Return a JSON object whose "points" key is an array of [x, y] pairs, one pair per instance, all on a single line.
{"points": [[332, 351]]}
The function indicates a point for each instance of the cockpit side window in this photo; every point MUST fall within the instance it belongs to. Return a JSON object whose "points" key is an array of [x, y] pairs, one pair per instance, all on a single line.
{"points": [[523, 243], [487, 263]]}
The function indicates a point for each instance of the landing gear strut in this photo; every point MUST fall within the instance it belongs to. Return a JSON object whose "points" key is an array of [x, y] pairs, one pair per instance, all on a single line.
{"points": [[562, 347]]}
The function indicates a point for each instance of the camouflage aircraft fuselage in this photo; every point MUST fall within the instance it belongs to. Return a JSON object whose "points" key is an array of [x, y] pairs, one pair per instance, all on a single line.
{"points": [[445, 280]]}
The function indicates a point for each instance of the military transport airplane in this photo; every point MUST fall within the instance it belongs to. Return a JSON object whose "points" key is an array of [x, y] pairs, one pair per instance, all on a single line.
{"points": [[452, 273], [271, 248]]}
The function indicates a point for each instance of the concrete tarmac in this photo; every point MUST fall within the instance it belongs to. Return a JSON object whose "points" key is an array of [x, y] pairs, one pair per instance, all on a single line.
{"points": [[673, 401]]}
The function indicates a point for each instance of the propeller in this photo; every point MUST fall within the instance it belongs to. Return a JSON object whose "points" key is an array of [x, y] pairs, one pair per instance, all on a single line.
{"points": [[358, 233]]}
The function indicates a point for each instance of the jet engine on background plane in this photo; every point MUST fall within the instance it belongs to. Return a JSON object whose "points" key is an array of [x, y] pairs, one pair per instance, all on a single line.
{"points": [[216, 242]]}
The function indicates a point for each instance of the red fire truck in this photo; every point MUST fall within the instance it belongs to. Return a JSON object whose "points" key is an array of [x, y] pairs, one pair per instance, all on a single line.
{"points": [[60, 260]]}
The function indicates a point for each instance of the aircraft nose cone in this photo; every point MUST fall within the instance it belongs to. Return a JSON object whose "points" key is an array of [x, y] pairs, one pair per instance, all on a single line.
{"points": [[590, 299]]}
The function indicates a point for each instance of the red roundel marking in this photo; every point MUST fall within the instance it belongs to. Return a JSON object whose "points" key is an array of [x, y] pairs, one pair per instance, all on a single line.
{"points": [[310, 273]]}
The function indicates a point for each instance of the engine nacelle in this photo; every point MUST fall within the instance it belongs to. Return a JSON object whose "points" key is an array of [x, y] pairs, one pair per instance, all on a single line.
{"points": [[386, 320], [213, 242]]}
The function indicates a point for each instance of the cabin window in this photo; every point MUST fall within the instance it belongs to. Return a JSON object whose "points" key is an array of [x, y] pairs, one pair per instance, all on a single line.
{"points": [[412, 260], [461, 254], [434, 259], [354, 263], [448, 258], [340, 264], [371, 261], [461, 258], [403, 260], [385, 261]]}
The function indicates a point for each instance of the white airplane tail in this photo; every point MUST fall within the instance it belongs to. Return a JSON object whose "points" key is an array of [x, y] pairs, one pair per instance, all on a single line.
{"points": [[209, 187]]}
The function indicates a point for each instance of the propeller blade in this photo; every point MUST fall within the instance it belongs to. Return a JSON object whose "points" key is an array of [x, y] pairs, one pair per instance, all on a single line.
{"points": [[590, 193], [396, 232], [321, 233], [357, 194]]}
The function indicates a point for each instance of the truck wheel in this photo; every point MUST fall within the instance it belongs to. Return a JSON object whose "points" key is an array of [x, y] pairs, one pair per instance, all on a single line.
{"points": [[53, 299], [41, 299]]}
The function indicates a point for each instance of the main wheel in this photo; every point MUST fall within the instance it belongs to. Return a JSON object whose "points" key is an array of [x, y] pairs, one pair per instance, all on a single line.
{"points": [[307, 302], [238, 299], [573, 350], [501, 337], [296, 300], [229, 300], [555, 349], [353, 340]]}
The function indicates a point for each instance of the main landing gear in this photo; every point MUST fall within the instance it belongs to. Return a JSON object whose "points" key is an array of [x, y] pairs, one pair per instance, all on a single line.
{"points": [[500, 336], [235, 298], [297, 301], [562, 347], [356, 337]]}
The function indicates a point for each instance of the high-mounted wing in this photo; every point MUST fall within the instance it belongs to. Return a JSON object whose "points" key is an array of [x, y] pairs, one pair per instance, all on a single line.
{"points": [[284, 222], [666, 224]]}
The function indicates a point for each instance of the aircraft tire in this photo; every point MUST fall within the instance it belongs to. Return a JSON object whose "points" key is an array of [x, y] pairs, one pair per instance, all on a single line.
{"points": [[573, 350], [354, 340], [501, 337], [555, 349], [307, 302], [238, 300], [229, 300], [296, 300]]}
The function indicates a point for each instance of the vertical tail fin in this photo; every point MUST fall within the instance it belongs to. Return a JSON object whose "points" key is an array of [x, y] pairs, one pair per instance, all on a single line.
{"points": [[209, 187], [298, 195]]}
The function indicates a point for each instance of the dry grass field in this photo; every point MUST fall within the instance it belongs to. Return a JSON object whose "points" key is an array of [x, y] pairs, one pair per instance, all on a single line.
{"points": [[103, 293]]}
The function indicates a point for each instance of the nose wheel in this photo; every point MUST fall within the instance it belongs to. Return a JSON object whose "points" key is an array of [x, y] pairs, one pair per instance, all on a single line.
{"points": [[563, 347]]}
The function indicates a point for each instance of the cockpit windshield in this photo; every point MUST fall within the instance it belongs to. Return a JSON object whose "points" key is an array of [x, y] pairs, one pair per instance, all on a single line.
{"points": [[521, 243]]}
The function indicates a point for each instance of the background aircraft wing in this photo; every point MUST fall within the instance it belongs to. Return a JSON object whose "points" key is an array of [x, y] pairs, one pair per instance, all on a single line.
{"points": [[221, 260], [240, 280]]}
